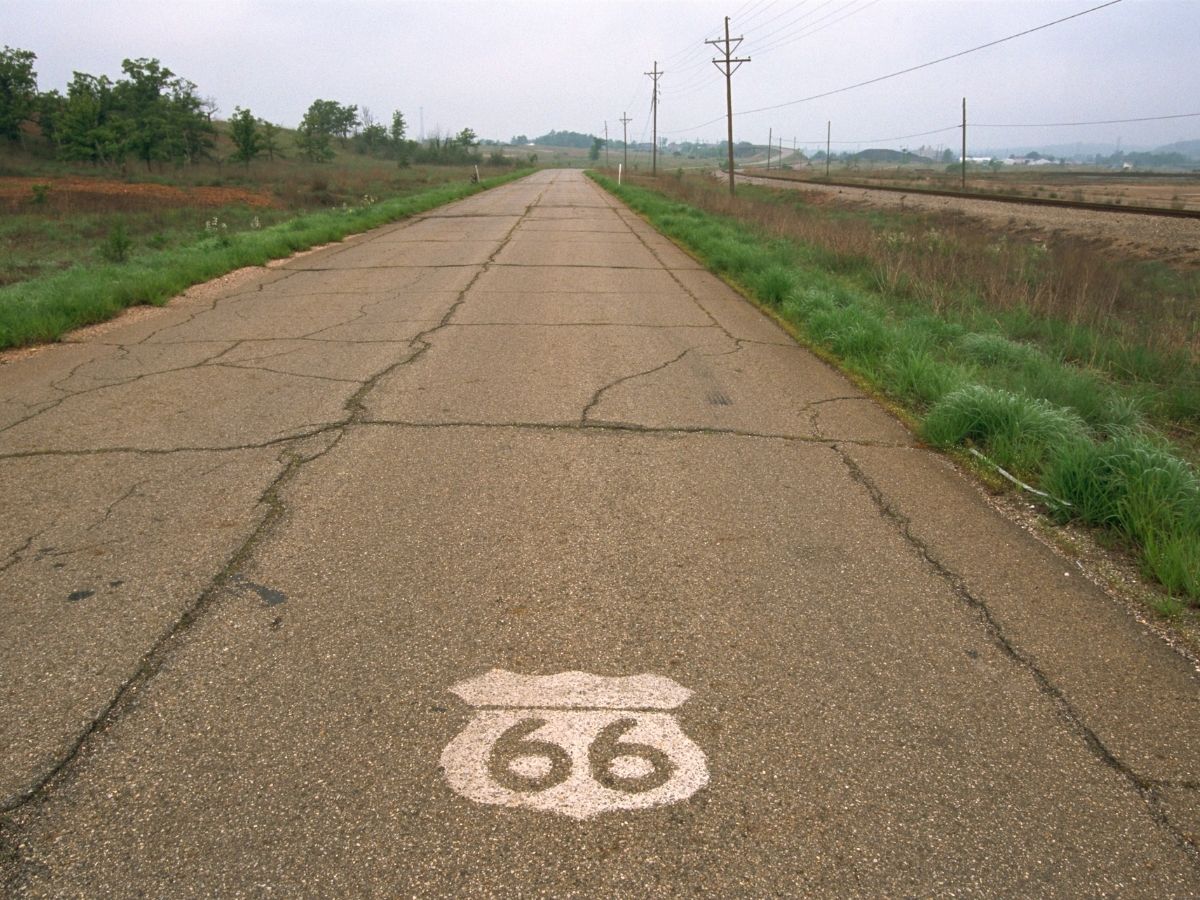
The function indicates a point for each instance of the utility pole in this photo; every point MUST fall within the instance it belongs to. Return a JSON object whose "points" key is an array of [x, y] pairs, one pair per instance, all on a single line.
{"points": [[625, 120], [770, 141], [731, 65], [828, 132], [606, 143], [655, 75], [964, 145]]}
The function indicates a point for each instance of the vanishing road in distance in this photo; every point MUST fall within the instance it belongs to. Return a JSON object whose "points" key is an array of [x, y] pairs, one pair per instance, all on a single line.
{"points": [[505, 551]]}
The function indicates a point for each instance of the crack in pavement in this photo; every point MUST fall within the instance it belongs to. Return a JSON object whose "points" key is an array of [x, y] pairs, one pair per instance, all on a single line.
{"points": [[575, 266], [112, 507], [635, 428], [162, 451], [568, 325], [1144, 787], [161, 648], [15, 556], [117, 383], [814, 414], [599, 393], [683, 287], [330, 378], [386, 268]]}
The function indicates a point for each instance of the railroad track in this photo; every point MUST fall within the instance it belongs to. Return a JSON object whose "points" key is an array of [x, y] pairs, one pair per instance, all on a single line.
{"points": [[993, 198]]}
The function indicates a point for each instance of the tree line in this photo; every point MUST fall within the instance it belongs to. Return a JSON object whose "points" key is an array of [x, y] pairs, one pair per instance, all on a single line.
{"points": [[152, 115]]}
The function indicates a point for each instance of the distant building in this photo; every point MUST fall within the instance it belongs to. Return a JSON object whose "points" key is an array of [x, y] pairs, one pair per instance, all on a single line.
{"points": [[1034, 160]]}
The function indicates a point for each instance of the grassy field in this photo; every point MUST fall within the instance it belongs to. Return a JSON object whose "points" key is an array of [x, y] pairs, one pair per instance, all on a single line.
{"points": [[1074, 370], [58, 216], [79, 245]]}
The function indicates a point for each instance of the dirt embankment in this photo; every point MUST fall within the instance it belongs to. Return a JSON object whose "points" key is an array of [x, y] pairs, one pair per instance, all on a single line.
{"points": [[100, 194], [1172, 241]]}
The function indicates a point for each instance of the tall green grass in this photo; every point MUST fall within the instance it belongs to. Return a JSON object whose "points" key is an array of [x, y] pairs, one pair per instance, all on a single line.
{"points": [[1077, 433], [45, 308]]}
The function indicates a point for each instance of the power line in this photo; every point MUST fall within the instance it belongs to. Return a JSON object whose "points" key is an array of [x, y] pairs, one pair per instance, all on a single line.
{"points": [[905, 137], [809, 14], [1100, 122], [751, 16], [915, 68], [935, 61], [899, 137], [776, 36], [812, 27], [788, 11]]}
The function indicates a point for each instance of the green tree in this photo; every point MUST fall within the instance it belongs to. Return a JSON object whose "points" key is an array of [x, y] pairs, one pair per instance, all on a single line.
{"points": [[315, 135], [190, 120], [18, 90], [161, 116], [247, 141], [373, 139], [49, 109], [87, 127], [345, 121], [401, 148], [466, 138], [597, 146], [270, 140], [140, 99]]}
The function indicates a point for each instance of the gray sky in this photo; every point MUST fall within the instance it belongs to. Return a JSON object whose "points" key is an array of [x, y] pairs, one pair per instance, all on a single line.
{"points": [[507, 68]]}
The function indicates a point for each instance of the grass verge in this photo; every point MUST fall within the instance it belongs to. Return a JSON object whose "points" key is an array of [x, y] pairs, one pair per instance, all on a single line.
{"points": [[44, 309], [1072, 429]]}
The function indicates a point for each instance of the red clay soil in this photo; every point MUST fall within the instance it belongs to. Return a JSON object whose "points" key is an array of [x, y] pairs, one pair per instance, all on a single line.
{"points": [[97, 194]]}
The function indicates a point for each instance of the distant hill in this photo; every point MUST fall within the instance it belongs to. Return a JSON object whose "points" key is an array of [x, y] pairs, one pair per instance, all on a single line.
{"points": [[564, 139], [890, 156], [1190, 149]]}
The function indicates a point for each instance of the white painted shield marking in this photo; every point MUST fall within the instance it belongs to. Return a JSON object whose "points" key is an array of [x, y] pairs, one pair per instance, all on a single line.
{"points": [[573, 743]]}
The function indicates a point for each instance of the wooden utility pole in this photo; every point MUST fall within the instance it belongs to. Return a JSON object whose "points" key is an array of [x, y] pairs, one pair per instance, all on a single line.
{"points": [[625, 120], [828, 132], [964, 145], [770, 141], [606, 143], [655, 75], [728, 66]]}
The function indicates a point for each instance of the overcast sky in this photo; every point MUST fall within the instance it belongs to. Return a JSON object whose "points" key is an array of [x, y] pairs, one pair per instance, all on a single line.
{"points": [[506, 68]]}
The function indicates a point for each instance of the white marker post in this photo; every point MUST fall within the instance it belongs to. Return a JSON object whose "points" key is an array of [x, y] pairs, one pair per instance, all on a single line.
{"points": [[573, 743], [620, 169]]}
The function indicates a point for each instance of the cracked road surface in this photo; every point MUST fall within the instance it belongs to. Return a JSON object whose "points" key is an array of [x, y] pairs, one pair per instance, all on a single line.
{"points": [[252, 540]]}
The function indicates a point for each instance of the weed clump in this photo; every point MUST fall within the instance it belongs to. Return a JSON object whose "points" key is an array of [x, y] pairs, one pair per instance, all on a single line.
{"points": [[775, 283], [1136, 485], [117, 244], [1017, 431]]}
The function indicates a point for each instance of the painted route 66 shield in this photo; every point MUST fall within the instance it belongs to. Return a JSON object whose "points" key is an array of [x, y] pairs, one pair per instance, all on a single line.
{"points": [[573, 743]]}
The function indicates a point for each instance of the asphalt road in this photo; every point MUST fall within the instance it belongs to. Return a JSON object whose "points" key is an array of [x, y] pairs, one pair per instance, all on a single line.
{"points": [[506, 552]]}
